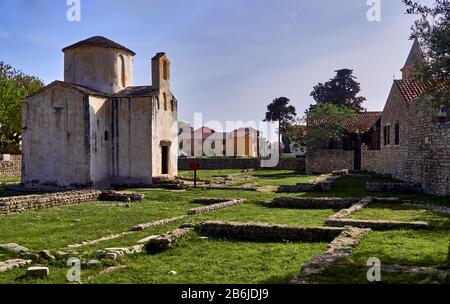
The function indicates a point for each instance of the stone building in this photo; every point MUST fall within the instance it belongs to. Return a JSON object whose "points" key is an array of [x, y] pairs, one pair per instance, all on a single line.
{"points": [[95, 129], [415, 137], [415, 133], [204, 141], [360, 135]]}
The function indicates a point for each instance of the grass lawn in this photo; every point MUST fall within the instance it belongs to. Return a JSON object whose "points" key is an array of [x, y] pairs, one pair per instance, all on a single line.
{"points": [[217, 261], [257, 178], [9, 180], [221, 261]]}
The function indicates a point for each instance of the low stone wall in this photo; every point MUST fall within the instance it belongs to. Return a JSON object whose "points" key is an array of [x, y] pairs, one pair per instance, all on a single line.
{"points": [[266, 232], [399, 187], [341, 247], [216, 206], [16, 204], [30, 202], [346, 212], [311, 202], [11, 167], [156, 223], [297, 164], [375, 225], [324, 182], [326, 161], [115, 253], [120, 197], [158, 243]]}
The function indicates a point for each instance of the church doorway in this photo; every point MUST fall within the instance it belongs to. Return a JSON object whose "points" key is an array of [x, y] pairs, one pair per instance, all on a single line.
{"points": [[165, 160]]}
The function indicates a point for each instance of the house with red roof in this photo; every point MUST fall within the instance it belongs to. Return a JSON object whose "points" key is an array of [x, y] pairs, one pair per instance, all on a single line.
{"points": [[206, 142], [409, 139]]}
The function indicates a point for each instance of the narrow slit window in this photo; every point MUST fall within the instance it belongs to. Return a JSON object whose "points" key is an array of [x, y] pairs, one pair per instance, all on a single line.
{"points": [[397, 134]]}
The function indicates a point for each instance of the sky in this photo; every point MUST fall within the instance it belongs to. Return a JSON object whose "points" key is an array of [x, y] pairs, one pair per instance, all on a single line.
{"points": [[229, 58]]}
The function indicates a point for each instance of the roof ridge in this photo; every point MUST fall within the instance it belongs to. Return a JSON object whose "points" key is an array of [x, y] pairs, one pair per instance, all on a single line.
{"points": [[99, 41]]}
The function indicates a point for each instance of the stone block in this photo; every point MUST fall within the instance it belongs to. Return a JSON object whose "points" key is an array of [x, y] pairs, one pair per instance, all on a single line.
{"points": [[37, 272]]}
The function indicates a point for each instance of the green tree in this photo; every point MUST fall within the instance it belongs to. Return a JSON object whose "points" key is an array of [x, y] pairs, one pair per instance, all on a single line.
{"points": [[340, 90], [280, 111], [324, 122], [15, 86], [432, 30]]}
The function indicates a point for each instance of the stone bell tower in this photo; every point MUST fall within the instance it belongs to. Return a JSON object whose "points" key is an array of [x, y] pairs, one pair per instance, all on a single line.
{"points": [[415, 57], [161, 72]]}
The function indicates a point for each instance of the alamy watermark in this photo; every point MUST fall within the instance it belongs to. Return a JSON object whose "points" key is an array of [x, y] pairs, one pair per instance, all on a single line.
{"points": [[374, 272], [74, 12], [374, 11], [74, 272]]}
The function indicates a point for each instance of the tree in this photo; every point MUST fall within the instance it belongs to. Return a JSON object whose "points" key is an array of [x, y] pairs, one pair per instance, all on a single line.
{"points": [[324, 122], [432, 30], [340, 90], [15, 86], [280, 111]]}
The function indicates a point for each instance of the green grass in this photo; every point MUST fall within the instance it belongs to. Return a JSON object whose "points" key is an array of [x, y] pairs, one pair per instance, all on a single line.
{"points": [[349, 273], [251, 212], [256, 178], [221, 261], [9, 180], [216, 261], [392, 212]]}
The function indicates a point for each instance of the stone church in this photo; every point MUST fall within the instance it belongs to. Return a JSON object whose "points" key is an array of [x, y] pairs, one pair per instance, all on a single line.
{"points": [[95, 129]]}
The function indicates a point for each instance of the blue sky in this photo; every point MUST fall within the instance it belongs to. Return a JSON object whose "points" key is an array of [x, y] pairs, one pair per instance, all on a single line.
{"points": [[230, 58]]}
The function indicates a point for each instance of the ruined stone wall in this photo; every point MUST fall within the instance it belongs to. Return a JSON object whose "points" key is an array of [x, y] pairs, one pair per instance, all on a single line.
{"points": [[12, 167], [30, 202], [326, 161]]}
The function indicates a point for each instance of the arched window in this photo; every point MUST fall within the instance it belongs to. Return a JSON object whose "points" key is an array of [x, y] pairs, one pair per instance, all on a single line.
{"points": [[172, 105], [165, 101], [165, 70], [122, 70], [157, 102]]}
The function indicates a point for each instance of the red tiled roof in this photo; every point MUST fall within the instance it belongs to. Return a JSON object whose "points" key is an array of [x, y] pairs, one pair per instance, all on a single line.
{"points": [[411, 89], [359, 123], [362, 122]]}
